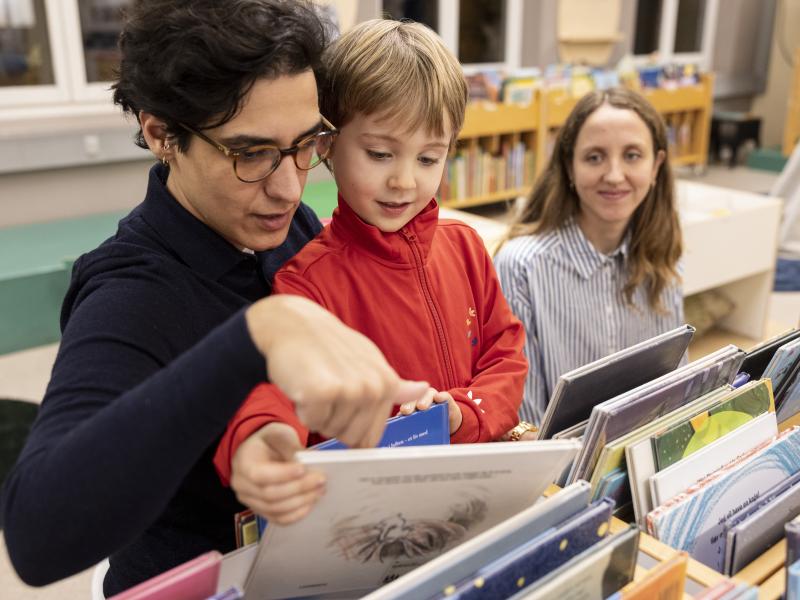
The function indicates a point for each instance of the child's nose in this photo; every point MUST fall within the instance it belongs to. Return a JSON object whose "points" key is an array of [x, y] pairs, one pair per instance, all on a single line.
{"points": [[403, 178]]}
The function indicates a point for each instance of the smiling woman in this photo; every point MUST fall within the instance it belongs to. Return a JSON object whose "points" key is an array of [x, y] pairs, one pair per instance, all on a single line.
{"points": [[591, 263]]}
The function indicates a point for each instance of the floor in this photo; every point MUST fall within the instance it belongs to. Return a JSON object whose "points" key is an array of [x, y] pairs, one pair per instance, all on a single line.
{"points": [[24, 375]]}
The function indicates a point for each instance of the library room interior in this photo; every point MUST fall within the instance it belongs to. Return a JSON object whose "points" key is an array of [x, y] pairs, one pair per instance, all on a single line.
{"points": [[599, 270]]}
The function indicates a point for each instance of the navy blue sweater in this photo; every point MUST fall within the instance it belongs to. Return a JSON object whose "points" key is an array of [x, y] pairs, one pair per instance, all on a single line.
{"points": [[155, 358]]}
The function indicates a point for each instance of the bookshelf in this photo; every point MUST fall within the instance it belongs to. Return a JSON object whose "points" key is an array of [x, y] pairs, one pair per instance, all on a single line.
{"points": [[502, 148], [495, 155], [686, 111], [791, 131]]}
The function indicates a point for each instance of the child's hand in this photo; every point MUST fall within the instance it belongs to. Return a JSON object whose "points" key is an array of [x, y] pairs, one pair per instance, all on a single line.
{"points": [[266, 478], [424, 403]]}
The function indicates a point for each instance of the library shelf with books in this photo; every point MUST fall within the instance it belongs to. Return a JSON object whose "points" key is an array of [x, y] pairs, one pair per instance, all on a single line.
{"points": [[502, 148], [791, 130], [495, 155], [686, 111]]}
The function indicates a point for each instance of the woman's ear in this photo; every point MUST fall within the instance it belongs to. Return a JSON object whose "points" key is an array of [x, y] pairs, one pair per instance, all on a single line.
{"points": [[154, 131], [659, 160]]}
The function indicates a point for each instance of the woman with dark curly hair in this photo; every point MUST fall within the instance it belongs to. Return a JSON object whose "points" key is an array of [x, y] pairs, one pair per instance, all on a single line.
{"points": [[165, 325]]}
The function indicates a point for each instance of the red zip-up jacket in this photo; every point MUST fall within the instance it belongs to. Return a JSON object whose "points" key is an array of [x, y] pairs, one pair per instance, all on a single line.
{"points": [[429, 298]]}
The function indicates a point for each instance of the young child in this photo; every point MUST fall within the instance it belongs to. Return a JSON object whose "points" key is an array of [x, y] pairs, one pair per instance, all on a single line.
{"points": [[590, 266], [425, 291]]}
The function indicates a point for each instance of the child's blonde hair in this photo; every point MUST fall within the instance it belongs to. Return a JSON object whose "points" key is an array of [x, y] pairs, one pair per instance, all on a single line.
{"points": [[397, 69]]}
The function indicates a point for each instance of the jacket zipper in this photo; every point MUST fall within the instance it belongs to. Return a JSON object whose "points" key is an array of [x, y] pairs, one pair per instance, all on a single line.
{"points": [[411, 239]]}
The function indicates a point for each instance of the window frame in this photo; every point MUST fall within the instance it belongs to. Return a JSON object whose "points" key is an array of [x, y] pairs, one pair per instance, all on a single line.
{"points": [[58, 92], [448, 17], [666, 37]]}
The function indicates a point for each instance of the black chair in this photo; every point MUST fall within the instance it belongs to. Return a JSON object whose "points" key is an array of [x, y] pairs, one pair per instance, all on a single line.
{"points": [[16, 418]]}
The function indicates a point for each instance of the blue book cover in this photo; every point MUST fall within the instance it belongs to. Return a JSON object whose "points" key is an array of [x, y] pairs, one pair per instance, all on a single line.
{"points": [[538, 557], [421, 428]]}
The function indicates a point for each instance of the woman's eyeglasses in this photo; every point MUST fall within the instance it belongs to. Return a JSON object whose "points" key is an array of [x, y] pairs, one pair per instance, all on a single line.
{"points": [[255, 163]]}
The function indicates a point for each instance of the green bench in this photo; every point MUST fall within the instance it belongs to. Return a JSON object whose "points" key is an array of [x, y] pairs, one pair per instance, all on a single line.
{"points": [[36, 260]]}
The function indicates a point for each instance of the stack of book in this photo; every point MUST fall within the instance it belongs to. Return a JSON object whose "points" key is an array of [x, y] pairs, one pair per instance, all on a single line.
{"points": [[690, 452]]}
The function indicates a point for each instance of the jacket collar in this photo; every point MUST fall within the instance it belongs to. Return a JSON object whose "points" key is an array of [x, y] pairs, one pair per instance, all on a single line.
{"points": [[583, 256], [391, 247], [195, 243]]}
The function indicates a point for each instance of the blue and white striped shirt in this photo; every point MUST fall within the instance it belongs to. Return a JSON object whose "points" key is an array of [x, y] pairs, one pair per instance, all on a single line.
{"points": [[569, 297]]}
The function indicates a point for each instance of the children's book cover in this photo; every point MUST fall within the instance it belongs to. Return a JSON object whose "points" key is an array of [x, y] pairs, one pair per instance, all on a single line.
{"points": [[682, 439], [694, 520], [387, 511]]}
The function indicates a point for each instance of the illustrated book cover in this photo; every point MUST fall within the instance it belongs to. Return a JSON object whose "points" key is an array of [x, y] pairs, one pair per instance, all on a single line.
{"points": [[682, 439], [535, 558], [614, 418], [466, 559], [387, 511], [676, 478], [694, 520], [595, 574]]}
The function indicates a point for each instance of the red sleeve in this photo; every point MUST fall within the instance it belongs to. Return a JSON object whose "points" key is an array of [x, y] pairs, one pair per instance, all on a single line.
{"points": [[266, 403], [490, 404]]}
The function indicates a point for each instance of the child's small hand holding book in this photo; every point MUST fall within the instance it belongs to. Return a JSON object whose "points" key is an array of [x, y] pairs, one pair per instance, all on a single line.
{"points": [[431, 397]]}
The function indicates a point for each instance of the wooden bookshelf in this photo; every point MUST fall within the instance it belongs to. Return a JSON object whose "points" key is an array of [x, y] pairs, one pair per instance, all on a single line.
{"points": [[686, 111], [491, 128], [791, 130]]}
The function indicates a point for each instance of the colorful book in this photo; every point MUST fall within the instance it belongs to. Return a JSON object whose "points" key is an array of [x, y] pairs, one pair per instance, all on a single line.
{"points": [[665, 581], [595, 574], [421, 428], [693, 521], [682, 439], [761, 525], [614, 418], [676, 478], [535, 558], [613, 455], [429, 427], [194, 579], [387, 511], [466, 559]]}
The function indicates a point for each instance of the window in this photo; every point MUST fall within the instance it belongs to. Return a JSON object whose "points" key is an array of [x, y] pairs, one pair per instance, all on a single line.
{"points": [[480, 33], [59, 54], [678, 30]]}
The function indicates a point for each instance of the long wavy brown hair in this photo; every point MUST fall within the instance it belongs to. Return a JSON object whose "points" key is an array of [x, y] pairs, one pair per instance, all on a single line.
{"points": [[655, 242]]}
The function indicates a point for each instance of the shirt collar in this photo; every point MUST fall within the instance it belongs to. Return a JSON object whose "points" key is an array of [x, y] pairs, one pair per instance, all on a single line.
{"points": [[195, 243], [583, 256], [391, 247]]}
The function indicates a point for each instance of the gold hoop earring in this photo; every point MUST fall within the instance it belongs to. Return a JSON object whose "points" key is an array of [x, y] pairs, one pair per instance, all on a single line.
{"points": [[164, 159]]}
